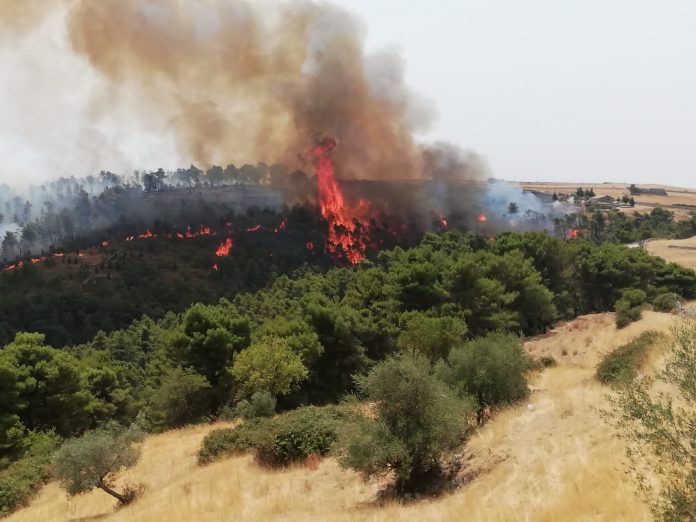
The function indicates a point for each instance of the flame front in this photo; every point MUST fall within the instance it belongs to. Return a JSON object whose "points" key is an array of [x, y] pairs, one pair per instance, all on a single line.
{"points": [[223, 250], [343, 236]]}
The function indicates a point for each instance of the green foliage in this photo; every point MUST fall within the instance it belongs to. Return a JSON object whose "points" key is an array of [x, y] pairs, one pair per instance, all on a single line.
{"points": [[666, 302], [299, 434], [432, 337], [417, 418], [659, 428], [40, 388], [629, 307], [208, 339], [277, 441], [622, 364], [261, 404], [490, 369], [21, 479], [182, 398], [93, 460], [232, 441], [268, 365]]}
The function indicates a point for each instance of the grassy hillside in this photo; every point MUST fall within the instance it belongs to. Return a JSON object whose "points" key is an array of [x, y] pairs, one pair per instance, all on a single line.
{"points": [[551, 458]]}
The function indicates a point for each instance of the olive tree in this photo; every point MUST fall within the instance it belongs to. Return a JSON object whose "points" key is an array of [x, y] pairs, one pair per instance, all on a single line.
{"points": [[93, 460], [659, 428], [417, 417]]}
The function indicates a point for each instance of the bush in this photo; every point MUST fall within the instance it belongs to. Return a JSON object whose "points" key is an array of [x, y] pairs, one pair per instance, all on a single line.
{"points": [[622, 364], [418, 418], [490, 369], [629, 307], [299, 434], [21, 479], [261, 404], [666, 302], [279, 441], [232, 441]]}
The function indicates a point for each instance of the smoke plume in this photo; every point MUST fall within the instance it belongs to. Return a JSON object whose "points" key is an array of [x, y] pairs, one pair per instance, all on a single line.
{"points": [[235, 80]]}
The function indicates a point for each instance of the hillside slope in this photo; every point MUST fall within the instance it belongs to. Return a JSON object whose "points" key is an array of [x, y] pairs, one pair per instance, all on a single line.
{"points": [[552, 458]]}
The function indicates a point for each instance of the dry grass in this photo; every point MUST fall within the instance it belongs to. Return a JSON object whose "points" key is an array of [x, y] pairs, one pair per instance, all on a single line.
{"points": [[644, 202], [682, 251], [550, 459]]}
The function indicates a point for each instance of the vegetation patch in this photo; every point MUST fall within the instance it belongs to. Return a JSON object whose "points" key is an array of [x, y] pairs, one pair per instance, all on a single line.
{"points": [[622, 364], [278, 441]]}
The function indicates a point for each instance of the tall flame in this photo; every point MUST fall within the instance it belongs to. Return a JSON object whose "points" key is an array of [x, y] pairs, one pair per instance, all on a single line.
{"points": [[223, 250], [343, 238]]}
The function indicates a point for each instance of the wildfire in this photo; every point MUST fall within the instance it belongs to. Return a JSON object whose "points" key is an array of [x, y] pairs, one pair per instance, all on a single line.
{"points": [[310, 246], [343, 237], [216, 267], [35, 260], [573, 232], [255, 228], [443, 221], [59, 254], [281, 226], [223, 250], [146, 235], [105, 244], [482, 218]]}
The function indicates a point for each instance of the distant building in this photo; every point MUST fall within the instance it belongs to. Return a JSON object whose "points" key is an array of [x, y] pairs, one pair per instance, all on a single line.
{"points": [[602, 201]]}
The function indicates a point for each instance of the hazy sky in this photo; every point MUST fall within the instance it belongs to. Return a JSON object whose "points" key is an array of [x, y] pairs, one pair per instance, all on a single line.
{"points": [[565, 90]]}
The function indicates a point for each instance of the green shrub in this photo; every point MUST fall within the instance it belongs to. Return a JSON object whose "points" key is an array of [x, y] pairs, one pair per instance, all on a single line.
{"points": [[21, 479], [232, 441], [261, 404], [490, 369], [666, 302], [279, 441], [629, 307], [622, 364], [299, 434]]}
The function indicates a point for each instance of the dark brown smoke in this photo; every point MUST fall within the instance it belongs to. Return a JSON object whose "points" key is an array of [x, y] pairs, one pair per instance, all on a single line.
{"points": [[245, 81]]}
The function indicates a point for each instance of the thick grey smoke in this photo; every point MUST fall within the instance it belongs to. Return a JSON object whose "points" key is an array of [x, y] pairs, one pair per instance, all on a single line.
{"points": [[126, 82]]}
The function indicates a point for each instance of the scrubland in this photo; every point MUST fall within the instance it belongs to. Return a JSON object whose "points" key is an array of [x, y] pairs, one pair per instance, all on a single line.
{"points": [[550, 458]]}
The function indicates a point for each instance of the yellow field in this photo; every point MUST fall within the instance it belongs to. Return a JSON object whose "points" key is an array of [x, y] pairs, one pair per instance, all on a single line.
{"points": [[644, 202], [682, 251], [549, 459]]}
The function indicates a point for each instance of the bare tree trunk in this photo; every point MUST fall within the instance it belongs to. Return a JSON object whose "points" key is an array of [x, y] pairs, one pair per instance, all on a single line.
{"points": [[122, 499]]}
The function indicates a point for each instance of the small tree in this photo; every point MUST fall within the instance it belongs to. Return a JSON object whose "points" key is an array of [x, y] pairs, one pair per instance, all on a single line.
{"points": [[490, 369], [432, 337], [418, 417], [93, 460], [268, 365], [660, 430]]}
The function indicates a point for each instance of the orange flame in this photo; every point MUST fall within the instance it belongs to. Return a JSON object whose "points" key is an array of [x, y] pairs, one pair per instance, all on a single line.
{"points": [[343, 235], [105, 243], [223, 250], [482, 218], [35, 260], [281, 226], [216, 267], [573, 232], [443, 221], [59, 254], [146, 235], [255, 228]]}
